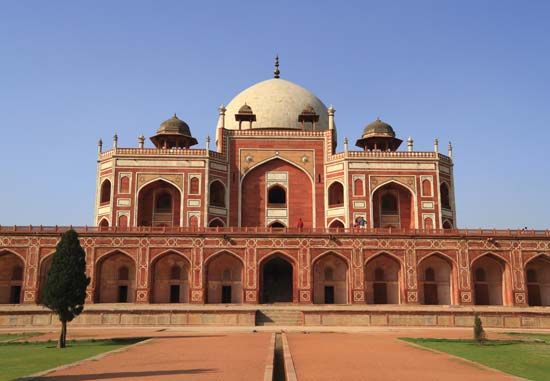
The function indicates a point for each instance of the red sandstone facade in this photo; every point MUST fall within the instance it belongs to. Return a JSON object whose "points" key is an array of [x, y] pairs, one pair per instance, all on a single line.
{"points": [[275, 214]]}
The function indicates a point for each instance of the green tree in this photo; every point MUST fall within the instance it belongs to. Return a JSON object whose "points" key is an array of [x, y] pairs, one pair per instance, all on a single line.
{"points": [[65, 289], [479, 332]]}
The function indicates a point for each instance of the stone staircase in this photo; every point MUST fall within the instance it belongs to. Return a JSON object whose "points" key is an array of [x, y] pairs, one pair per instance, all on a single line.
{"points": [[280, 317]]}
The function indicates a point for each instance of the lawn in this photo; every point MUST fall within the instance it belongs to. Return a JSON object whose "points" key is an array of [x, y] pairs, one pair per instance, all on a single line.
{"points": [[23, 359], [526, 359]]}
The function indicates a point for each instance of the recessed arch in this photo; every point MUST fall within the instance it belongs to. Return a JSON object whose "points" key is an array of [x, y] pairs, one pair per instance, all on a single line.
{"points": [[383, 279], [272, 159], [105, 191], [277, 224], [217, 193], [382, 252], [276, 196], [224, 274], [435, 279], [12, 272], [537, 280], [109, 288], [166, 288], [445, 195], [277, 278], [330, 277], [406, 215], [216, 222], [491, 288], [159, 203], [337, 223], [335, 193], [103, 223], [300, 193]]}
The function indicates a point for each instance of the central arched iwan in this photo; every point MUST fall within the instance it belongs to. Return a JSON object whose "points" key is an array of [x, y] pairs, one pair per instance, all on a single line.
{"points": [[255, 190]]}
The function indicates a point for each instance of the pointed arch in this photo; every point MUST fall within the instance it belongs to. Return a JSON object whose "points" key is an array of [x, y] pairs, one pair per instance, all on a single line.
{"points": [[216, 222], [12, 272], [403, 217], [300, 193], [224, 277], [164, 286], [337, 223], [109, 288], [217, 193], [105, 191], [278, 275], [493, 288], [145, 211], [441, 288], [330, 278], [272, 159], [445, 195], [383, 279], [335, 193], [277, 224], [537, 280]]}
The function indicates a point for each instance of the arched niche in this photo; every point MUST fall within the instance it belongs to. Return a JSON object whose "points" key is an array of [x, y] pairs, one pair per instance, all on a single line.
{"points": [[435, 280], [224, 279], [393, 206], [11, 278], [488, 280], [159, 204], [115, 279], [383, 280], [170, 278], [330, 280], [335, 195], [276, 279], [254, 194], [537, 278]]}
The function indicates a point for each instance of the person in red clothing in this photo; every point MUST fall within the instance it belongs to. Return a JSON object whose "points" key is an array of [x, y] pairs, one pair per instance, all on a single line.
{"points": [[300, 223]]}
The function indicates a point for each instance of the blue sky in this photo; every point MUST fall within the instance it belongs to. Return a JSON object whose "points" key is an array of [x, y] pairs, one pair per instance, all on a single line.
{"points": [[473, 72]]}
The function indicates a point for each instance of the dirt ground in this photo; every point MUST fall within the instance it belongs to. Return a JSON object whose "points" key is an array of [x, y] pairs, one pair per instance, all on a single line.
{"points": [[179, 357], [380, 356], [222, 353]]}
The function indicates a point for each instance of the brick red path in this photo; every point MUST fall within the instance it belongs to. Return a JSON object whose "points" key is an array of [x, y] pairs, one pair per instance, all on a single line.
{"points": [[378, 357], [181, 357], [218, 355]]}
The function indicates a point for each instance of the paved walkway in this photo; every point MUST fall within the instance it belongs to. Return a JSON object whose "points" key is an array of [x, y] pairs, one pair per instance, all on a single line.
{"points": [[179, 357], [354, 354], [377, 357]]}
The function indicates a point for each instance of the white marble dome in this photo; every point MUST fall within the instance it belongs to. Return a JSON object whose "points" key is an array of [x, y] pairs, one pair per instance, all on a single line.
{"points": [[277, 103]]}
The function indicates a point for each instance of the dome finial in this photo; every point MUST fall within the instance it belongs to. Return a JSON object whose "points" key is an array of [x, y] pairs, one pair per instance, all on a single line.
{"points": [[276, 72]]}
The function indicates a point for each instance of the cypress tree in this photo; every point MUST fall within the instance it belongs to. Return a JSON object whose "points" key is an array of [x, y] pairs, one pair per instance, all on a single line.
{"points": [[479, 332], [65, 289]]}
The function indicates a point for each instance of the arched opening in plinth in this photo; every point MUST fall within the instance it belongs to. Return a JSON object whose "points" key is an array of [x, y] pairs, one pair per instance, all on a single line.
{"points": [[434, 280], [330, 280], [277, 278], [11, 278], [224, 279], [159, 204], [382, 280], [170, 279], [115, 279], [537, 277], [45, 266], [488, 276]]}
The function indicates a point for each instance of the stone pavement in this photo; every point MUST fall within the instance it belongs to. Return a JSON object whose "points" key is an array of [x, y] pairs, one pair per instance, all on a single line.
{"points": [[209, 353]]}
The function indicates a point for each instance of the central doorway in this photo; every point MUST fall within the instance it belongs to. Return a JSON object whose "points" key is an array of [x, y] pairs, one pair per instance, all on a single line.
{"points": [[276, 281]]}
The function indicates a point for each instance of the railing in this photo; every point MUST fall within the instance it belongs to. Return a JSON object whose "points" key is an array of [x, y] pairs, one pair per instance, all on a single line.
{"points": [[291, 231], [389, 154], [160, 152]]}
